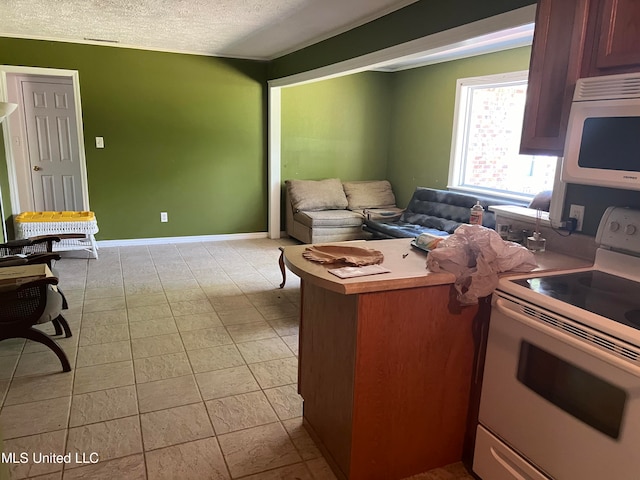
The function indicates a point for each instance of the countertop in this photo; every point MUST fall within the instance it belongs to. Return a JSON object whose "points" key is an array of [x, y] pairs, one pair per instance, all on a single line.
{"points": [[407, 265]]}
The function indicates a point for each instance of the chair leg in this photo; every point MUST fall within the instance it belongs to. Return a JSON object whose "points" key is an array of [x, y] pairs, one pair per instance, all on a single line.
{"points": [[65, 325], [57, 326], [65, 305], [38, 336], [282, 269]]}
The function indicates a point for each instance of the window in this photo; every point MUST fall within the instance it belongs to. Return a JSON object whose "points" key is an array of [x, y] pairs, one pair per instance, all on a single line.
{"points": [[485, 155]]}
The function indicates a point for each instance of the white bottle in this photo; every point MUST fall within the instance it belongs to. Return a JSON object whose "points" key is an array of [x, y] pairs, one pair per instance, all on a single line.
{"points": [[475, 217]]}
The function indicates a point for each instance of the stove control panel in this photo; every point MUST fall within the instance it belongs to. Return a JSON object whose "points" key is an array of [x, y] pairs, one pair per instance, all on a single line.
{"points": [[619, 229]]}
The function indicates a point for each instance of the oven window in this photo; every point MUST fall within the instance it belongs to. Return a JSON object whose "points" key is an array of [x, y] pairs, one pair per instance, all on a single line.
{"points": [[579, 393]]}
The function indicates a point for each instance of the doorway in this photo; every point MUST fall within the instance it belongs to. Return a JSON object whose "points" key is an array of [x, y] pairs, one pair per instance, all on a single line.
{"points": [[44, 145], [435, 45]]}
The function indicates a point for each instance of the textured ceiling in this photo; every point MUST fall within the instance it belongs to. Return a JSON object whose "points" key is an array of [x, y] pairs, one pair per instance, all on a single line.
{"points": [[258, 29]]}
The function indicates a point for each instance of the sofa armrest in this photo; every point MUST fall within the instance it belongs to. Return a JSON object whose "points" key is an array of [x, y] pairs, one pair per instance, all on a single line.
{"points": [[383, 214], [288, 213]]}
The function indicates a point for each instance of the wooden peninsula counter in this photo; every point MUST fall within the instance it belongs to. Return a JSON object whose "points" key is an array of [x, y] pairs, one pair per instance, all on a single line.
{"points": [[385, 364]]}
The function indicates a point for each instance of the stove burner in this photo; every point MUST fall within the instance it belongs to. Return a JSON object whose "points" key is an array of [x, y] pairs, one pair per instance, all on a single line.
{"points": [[633, 316], [597, 284]]}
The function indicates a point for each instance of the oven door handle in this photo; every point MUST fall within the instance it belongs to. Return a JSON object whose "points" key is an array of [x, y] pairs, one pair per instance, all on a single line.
{"points": [[568, 338]]}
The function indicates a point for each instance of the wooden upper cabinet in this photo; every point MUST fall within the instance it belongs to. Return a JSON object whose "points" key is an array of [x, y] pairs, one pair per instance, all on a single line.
{"points": [[573, 39], [556, 64], [616, 38]]}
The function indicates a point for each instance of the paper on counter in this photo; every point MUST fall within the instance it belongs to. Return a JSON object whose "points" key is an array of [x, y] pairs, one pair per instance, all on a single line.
{"points": [[350, 272]]}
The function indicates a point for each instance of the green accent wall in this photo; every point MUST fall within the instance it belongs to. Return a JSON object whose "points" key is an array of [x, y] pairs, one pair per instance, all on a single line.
{"points": [[336, 128], [376, 125], [184, 134], [409, 23], [422, 117]]}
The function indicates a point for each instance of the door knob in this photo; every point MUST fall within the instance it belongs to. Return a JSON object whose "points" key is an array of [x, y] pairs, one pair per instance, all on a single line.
{"points": [[36, 168]]}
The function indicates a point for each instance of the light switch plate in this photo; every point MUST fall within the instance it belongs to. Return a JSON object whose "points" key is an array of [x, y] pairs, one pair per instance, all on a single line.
{"points": [[99, 142]]}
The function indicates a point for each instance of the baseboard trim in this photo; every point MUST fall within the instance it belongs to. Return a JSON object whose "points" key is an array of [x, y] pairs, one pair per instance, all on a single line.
{"points": [[186, 239]]}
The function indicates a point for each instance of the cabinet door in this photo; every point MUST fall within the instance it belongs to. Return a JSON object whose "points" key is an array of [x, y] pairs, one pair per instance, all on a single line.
{"points": [[618, 36], [556, 60]]}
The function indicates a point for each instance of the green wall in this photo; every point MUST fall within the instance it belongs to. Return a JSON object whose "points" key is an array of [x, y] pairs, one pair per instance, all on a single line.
{"points": [[422, 117], [409, 23], [336, 128], [376, 125], [184, 134]]}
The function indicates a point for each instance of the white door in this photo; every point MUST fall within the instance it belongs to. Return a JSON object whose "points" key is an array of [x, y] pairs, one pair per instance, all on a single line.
{"points": [[53, 150]]}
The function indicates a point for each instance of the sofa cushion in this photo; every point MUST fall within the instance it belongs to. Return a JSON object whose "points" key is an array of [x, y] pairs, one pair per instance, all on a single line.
{"points": [[398, 229], [329, 218], [316, 195], [369, 194], [445, 210]]}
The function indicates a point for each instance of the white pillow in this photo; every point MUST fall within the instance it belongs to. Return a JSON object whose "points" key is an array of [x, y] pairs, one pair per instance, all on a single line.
{"points": [[316, 195], [369, 194]]}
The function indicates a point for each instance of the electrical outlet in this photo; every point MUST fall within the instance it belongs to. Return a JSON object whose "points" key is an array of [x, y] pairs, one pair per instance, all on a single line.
{"points": [[164, 217], [577, 212]]}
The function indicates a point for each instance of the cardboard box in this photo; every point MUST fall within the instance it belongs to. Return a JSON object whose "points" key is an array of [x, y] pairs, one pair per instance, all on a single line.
{"points": [[15, 276]]}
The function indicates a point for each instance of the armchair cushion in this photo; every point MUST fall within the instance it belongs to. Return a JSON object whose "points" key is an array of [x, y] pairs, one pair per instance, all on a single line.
{"points": [[329, 218], [54, 306], [369, 194], [316, 195]]}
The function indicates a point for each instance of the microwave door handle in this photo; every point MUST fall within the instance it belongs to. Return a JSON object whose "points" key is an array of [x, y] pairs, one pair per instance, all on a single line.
{"points": [[568, 338]]}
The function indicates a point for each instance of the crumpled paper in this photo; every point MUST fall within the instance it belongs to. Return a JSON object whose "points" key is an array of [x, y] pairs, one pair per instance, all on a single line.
{"points": [[476, 255], [356, 256]]}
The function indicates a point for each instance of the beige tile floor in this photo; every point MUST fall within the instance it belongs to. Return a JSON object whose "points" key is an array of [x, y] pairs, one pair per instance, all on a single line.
{"points": [[185, 367]]}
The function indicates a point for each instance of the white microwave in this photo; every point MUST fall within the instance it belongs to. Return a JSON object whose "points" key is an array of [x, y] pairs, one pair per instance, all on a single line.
{"points": [[603, 136]]}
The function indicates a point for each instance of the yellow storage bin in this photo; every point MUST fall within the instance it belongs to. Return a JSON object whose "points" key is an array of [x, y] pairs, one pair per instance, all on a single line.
{"points": [[55, 217]]}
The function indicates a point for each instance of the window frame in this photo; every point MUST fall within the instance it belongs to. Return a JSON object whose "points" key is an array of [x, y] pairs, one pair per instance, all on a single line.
{"points": [[460, 120]]}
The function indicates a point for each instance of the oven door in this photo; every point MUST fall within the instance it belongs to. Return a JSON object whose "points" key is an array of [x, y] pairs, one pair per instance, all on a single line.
{"points": [[564, 404]]}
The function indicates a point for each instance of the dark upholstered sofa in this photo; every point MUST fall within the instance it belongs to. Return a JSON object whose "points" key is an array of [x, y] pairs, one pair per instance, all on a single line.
{"points": [[432, 211]]}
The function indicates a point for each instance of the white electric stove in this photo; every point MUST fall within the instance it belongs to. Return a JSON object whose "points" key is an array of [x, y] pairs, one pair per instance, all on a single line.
{"points": [[561, 390]]}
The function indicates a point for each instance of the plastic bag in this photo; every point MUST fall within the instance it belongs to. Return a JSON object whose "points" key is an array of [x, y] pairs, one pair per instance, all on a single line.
{"points": [[475, 255]]}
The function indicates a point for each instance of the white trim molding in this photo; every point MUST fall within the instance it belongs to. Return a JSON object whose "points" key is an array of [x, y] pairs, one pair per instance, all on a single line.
{"points": [[524, 214], [275, 150], [185, 239], [461, 110], [436, 41]]}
